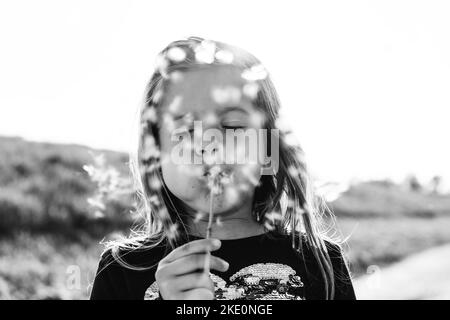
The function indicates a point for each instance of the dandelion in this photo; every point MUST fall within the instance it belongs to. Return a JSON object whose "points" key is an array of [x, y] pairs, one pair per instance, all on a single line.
{"points": [[215, 177]]}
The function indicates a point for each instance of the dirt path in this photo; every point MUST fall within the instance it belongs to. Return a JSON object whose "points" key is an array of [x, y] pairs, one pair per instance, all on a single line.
{"points": [[425, 275]]}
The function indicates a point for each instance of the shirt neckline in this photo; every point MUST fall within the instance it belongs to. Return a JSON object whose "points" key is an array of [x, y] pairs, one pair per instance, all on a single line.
{"points": [[236, 239]]}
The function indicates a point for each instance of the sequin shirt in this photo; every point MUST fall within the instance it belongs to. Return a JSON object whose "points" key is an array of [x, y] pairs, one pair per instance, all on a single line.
{"points": [[263, 267]]}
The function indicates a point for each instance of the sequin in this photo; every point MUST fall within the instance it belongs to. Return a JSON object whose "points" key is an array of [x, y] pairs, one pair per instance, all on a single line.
{"points": [[261, 281]]}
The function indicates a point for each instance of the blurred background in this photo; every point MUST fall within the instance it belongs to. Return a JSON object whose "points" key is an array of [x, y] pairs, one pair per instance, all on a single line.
{"points": [[364, 85]]}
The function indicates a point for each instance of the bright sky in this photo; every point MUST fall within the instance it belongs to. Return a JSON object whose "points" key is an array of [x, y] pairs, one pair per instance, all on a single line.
{"points": [[365, 84]]}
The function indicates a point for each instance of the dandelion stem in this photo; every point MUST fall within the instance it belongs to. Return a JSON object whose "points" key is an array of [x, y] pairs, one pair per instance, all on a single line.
{"points": [[209, 228]]}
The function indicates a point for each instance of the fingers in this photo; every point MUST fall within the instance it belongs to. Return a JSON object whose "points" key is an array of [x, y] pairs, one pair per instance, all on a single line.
{"points": [[198, 294], [195, 262], [193, 280], [196, 246]]}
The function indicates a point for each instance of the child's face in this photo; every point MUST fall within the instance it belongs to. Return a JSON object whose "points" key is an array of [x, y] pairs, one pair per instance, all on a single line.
{"points": [[199, 94]]}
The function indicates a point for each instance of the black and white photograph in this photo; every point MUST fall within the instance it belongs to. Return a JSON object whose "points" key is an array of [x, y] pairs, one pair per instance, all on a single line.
{"points": [[224, 150]]}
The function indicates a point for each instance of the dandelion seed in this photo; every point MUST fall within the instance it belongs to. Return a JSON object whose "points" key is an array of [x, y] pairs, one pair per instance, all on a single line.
{"points": [[176, 76], [224, 56], [163, 214], [228, 95], [205, 51], [250, 90], [269, 226], [154, 200], [96, 202], [282, 124], [157, 96], [172, 232], [149, 114], [231, 195], [198, 216], [154, 183], [290, 139], [210, 119], [149, 149], [273, 216], [293, 171], [176, 54], [175, 104], [257, 119], [257, 72], [98, 214], [161, 64], [168, 121]]}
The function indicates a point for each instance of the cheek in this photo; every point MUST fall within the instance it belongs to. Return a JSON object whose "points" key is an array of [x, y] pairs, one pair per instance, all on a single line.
{"points": [[179, 180]]}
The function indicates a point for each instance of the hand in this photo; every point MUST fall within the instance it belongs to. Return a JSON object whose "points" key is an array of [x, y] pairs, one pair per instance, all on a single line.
{"points": [[180, 275]]}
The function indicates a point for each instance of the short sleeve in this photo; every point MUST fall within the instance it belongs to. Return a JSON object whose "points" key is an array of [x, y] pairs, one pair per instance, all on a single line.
{"points": [[342, 278]]}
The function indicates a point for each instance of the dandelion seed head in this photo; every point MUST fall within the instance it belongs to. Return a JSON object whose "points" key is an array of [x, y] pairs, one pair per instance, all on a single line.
{"points": [[176, 54]]}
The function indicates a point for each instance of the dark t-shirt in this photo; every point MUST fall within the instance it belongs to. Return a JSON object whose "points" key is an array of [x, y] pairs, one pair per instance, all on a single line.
{"points": [[261, 267]]}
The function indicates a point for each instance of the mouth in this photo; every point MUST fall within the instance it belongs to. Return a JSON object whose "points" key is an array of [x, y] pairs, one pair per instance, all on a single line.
{"points": [[216, 177]]}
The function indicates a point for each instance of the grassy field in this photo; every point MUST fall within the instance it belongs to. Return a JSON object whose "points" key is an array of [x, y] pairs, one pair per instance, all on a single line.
{"points": [[50, 235]]}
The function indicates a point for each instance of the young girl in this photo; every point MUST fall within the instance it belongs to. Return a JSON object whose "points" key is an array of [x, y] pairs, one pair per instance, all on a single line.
{"points": [[218, 229]]}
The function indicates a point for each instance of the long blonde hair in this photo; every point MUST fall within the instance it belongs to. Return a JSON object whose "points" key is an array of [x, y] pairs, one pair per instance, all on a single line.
{"points": [[289, 191]]}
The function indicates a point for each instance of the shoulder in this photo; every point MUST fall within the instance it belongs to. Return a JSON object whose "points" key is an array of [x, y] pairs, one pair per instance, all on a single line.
{"points": [[141, 255]]}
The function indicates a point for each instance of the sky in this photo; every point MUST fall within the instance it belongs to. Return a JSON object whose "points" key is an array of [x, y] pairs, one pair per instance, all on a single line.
{"points": [[364, 84]]}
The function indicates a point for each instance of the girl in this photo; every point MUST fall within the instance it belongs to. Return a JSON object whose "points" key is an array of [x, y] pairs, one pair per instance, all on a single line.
{"points": [[269, 239]]}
